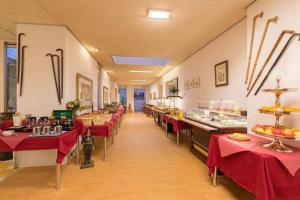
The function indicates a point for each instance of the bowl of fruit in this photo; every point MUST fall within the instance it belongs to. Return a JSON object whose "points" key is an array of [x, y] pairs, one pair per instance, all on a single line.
{"points": [[280, 132]]}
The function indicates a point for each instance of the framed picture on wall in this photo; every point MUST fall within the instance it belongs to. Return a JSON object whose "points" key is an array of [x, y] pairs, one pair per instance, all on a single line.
{"points": [[154, 95], [105, 96], [186, 85], [84, 90], [171, 85], [190, 84], [196, 82], [221, 74]]}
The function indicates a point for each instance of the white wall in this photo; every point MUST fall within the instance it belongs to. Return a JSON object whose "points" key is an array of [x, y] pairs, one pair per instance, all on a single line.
{"points": [[39, 93], [1, 76], [230, 46], [287, 68], [78, 60]]}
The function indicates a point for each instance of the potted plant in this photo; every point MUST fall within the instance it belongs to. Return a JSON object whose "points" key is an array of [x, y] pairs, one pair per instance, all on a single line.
{"points": [[174, 90], [74, 105]]}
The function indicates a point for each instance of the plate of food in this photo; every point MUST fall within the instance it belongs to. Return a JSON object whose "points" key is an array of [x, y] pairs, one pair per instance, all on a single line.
{"points": [[280, 132], [239, 136], [8, 133]]}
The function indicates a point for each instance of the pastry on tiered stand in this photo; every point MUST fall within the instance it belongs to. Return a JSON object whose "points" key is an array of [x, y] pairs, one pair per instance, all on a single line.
{"points": [[278, 132]]}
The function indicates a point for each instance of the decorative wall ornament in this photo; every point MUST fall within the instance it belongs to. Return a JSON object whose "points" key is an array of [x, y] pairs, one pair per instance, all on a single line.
{"points": [[221, 74], [19, 44], [58, 72], [260, 15], [154, 95], [84, 91], [286, 46], [190, 84], [105, 96], [196, 82], [170, 85], [61, 72], [22, 69], [271, 20], [186, 85], [279, 39], [55, 76]]}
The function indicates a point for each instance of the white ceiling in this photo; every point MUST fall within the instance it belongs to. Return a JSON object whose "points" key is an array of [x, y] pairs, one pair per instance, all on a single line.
{"points": [[121, 27]]}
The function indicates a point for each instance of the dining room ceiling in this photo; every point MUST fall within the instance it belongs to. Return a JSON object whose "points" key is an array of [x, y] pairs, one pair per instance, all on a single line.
{"points": [[122, 28]]}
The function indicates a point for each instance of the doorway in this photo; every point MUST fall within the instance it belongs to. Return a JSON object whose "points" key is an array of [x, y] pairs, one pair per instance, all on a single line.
{"points": [[139, 99]]}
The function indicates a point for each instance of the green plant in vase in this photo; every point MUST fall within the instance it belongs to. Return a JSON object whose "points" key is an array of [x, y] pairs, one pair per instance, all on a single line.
{"points": [[174, 91], [74, 105]]}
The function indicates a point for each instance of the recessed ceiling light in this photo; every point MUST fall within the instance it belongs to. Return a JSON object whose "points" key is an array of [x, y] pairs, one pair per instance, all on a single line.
{"points": [[138, 80], [158, 14], [93, 49], [140, 71], [149, 61]]}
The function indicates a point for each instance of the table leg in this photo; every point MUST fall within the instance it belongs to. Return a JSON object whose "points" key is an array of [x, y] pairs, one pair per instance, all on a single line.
{"points": [[215, 177], [58, 177], [104, 148], [69, 158], [178, 134], [15, 155], [77, 151]]}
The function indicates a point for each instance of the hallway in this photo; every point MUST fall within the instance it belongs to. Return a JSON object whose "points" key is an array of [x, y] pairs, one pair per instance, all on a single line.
{"points": [[142, 164]]}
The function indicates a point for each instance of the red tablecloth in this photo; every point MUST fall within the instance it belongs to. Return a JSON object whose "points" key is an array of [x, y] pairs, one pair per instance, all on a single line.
{"points": [[6, 124], [14, 140], [264, 175], [101, 130], [177, 124], [96, 130], [62, 143]]}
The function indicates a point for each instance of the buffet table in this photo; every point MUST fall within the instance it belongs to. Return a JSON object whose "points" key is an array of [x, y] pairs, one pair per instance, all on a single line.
{"points": [[158, 116], [265, 173], [104, 130], [148, 109], [177, 125], [23, 141]]}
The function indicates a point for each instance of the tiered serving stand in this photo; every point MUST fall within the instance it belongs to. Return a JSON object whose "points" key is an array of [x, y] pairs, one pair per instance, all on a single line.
{"points": [[278, 112]]}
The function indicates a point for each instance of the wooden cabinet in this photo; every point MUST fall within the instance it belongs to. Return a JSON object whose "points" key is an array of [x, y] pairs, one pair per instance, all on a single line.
{"points": [[200, 139]]}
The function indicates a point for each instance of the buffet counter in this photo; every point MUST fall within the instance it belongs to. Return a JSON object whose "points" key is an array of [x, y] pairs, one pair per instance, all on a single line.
{"points": [[176, 125], [200, 125]]}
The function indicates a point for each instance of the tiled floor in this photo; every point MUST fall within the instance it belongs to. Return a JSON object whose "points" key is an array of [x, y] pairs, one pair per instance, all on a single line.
{"points": [[142, 164]]}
